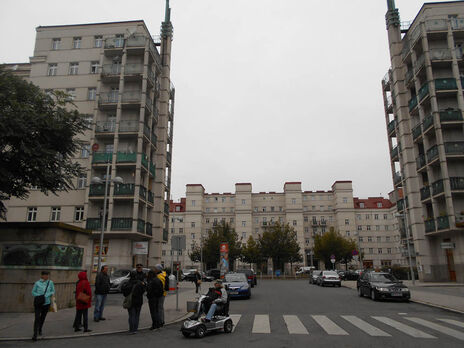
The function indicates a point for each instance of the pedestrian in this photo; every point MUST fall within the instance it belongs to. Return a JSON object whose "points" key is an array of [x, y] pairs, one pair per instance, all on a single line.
{"points": [[133, 291], [154, 294], [197, 280], [161, 274], [83, 302], [140, 275], [102, 288], [42, 290]]}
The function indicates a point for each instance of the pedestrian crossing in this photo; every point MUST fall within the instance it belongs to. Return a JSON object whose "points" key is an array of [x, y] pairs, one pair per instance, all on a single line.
{"points": [[345, 325]]}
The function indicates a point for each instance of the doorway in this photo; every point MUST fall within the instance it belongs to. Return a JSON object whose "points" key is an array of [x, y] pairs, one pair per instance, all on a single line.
{"points": [[451, 267]]}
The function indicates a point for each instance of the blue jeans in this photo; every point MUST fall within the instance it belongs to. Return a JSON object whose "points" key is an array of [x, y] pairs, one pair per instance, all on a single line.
{"points": [[99, 305], [211, 311], [134, 316]]}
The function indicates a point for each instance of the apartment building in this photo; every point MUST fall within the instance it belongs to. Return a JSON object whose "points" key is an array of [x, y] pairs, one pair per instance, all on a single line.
{"points": [[368, 221], [423, 97], [118, 75]]}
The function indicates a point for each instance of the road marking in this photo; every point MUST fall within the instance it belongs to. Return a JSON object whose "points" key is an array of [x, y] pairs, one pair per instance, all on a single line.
{"points": [[403, 328], [329, 326], [440, 328], [453, 322], [403, 313], [235, 319], [294, 325], [261, 324], [366, 327]]}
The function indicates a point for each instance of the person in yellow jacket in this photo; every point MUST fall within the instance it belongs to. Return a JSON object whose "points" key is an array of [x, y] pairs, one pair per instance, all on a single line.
{"points": [[161, 274]]}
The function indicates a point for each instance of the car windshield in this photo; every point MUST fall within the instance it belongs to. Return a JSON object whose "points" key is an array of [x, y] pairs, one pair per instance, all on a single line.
{"points": [[120, 273], [245, 271], [384, 278], [330, 273], [238, 277]]}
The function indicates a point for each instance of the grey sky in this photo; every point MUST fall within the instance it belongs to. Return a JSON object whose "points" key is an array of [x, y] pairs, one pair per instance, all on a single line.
{"points": [[267, 91]]}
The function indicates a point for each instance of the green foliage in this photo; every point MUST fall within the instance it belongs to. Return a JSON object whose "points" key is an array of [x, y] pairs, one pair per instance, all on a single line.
{"points": [[332, 243], [251, 252], [280, 243], [195, 253], [37, 142]]}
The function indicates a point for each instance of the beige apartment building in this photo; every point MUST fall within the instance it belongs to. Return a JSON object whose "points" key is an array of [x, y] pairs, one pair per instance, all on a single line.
{"points": [[118, 75], [368, 221], [423, 97]]}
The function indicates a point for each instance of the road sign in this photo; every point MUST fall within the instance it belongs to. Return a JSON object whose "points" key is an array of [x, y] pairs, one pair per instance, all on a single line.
{"points": [[447, 245], [178, 243], [355, 252], [95, 147], [332, 260]]}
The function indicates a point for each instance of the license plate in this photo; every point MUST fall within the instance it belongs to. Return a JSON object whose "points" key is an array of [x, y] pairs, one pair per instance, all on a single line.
{"points": [[234, 292], [398, 294]]}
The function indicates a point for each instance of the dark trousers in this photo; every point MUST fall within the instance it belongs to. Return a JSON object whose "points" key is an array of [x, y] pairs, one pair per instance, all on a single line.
{"points": [[153, 304], [40, 315], [197, 285], [134, 316], [81, 314]]}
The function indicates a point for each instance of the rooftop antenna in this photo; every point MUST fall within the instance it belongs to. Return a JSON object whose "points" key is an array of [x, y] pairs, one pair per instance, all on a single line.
{"points": [[166, 26]]}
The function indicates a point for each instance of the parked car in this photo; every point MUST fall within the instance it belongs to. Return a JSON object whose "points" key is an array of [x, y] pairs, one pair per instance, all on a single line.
{"points": [[207, 278], [305, 270], [313, 276], [238, 286], [342, 274], [215, 273], [118, 278], [329, 277], [188, 274], [251, 276], [351, 275], [382, 285]]}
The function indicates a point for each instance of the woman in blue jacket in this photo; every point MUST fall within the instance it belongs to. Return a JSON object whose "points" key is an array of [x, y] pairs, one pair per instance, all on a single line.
{"points": [[43, 287]]}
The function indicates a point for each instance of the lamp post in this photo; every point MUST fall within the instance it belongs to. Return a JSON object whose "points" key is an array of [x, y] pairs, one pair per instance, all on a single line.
{"points": [[97, 180]]}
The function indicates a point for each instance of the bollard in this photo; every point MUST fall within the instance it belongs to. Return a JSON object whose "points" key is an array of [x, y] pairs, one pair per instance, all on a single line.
{"points": [[172, 283]]}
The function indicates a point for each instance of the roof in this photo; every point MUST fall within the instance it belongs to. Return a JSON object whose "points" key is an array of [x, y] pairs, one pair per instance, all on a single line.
{"points": [[371, 203], [140, 21]]}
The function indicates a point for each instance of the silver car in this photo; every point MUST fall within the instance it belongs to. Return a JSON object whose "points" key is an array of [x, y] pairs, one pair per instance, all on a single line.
{"points": [[313, 276], [329, 277], [118, 278]]}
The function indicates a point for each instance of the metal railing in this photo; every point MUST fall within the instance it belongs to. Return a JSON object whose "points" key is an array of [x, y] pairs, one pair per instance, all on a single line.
{"points": [[391, 126], [416, 131], [126, 157], [166, 208], [389, 102], [145, 160], [132, 97], [111, 69], [425, 192], [428, 122], [423, 91], [165, 234], [130, 69], [168, 157], [97, 190], [457, 183], [450, 115], [105, 127], [420, 62], [128, 126], [151, 197], [154, 138], [146, 130], [457, 23], [437, 187], [394, 152], [443, 223], [412, 102], [440, 54], [420, 161], [152, 169], [140, 226], [429, 225], [454, 148], [143, 192], [409, 75], [108, 98], [432, 153], [114, 42], [121, 224], [436, 25], [102, 157], [136, 41], [149, 103], [124, 189], [149, 229], [445, 84], [397, 178], [93, 224]]}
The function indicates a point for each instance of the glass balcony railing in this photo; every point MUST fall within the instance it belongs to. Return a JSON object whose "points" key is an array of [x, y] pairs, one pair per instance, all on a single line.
{"points": [[445, 84], [124, 189], [397, 178], [442, 223], [105, 127], [102, 157], [151, 197], [457, 183], [111, 69], [126, 157], [149, 103], [412, 103], [440, 54], [454, 148], [108, 98], [168, 157], [429, 226], [146, 131], [391, 126], [143, 192], [97, 189], [423, 91], [149, 229], [165, 234], [394, 152], [132, 97], [136, 41], [437, 187], [428, 122], [114, 42], [154, 138], [420, 63], [450, 115], [152, 169], [400, 204], [93, 224], [417, 131], [121, 224], [420, 161], [140, 226], [409, 76], [166, 208], [425, 192], [133, 69], [432, 153], [128, 126], [144, 160]]}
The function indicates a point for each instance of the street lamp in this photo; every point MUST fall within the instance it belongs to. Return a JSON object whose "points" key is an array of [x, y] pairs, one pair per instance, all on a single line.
{"points": [[405, 216], [97, 180]]}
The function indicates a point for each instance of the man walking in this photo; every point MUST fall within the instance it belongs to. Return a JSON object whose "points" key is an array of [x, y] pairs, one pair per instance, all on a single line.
{"points": [[42, 291], [102, 288], [161, 274], [154, 294]]}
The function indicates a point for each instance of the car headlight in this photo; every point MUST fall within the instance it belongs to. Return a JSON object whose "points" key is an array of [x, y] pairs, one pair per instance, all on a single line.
{"points": [[244, 287], [382, 289], [405, 289]]}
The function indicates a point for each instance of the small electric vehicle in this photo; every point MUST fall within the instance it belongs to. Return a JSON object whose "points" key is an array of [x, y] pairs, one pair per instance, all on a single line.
{"points": [[220, 320]]}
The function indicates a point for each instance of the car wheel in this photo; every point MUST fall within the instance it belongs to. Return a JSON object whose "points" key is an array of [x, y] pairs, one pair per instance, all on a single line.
{"points": [[200, 332], [360, 293], [373, 295], [228, 325], [186, 334]]}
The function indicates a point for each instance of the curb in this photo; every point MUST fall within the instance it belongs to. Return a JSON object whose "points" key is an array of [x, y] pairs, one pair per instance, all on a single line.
{"points": [[425, 304], [175, 321]]}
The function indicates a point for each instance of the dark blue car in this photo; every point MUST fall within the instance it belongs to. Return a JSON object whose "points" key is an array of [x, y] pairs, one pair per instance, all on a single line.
{"points": [[238, 286]]}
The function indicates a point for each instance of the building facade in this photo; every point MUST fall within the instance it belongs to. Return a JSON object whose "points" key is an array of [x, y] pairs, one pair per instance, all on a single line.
{"points": [[423, 97], [119, 77], [370, 222]]}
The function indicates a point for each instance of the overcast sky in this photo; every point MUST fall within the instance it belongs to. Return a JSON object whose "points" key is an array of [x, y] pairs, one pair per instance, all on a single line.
{"points": [[267, 91]]}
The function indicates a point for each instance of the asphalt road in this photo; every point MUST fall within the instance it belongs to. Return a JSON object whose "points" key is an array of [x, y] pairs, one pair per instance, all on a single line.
{"points": [[294, 313]]}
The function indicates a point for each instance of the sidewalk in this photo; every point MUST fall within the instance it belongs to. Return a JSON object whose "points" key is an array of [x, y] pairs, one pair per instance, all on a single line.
{"points": [[449, 296], [19, 326]]}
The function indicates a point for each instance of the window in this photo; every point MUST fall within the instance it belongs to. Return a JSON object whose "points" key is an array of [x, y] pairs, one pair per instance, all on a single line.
{"points": [[323, 229], [376, 216], [82, 181], [231, 220], [347, 221], [371, 250], [360, 228], [243, 201], [71, 92], [386, 227], [193, 235], [94, 67], [380, 250], [164, 252], [306, 229], [223, 199], [361, 239], [306, 219], [243, 223], [177, 208], [368, 216], [92, 93], [385, 216], [305, 198], [98, 41], [52, 69], [313, 207], [345, 200], [369, 239], [379, 239], [264, 209], [377, 227], [215, 199], [31, 214], [281, 220], [207, 199], [293, 201], [307, 241], [73, 68], [85, 151], [305, 208], [77, 42], [361, 205], [256, 221], [329, 207], [181, 230], [280, 208], [56, 214], [294, 223], [387, 238], [207, 210], [172, 230], [192, 224], [379, 205], [244, 235], [232, 199], [56, 43], [389, 250], [223, 210], [193, 203], [207, 219], [272, 208], [347, 233], [358, 216], [215, 210]]}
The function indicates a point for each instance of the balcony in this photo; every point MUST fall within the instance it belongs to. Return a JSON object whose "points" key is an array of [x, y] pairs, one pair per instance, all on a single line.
{"points": [[409, 76], [394, 152], [423, 91], [166, 208], [148, 104], [111, 70], [389, 104], [132, 97], [420, 161], [151, 197], [143, 193], [428, 122], [108, 99], [127, 126], [442, 223], [154, 138], [416, 131], [165, 235], [140, 226], [419, 63], [425, 193], [412, 103], [397, 178], [438, 187], [168, 157], [93, 224], [121, 224], [457, 183], [114, 42], [105, 127], [440, 54], [445, 84], [429, 225], [97, 189], [124, 189], [102, 157], [145, 160], [400, 204], [391, 127], [432, 153], [133, 69], [146, 131], [136, 41], [436, 25], [152, 169], [451, 116], [126, 157], [454, 148], [149, 229]]}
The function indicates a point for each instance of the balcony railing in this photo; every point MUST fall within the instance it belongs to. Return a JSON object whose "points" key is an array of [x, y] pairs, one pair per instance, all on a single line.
{"points": [[149, 103], [126, 157], [152, 169], [168, 157], [454, 148], [121, 224], [394, 152], [436, 25], [425, 192], [445, 84], [144, 160], [437, 187], [397, 178], [450, 115], [457, 183], [108, 98], [440, 54], [389, 102], [457, 23], [400, 204], [114, 42], [429, 225], [124, 189], [442, 222], [146, 131], [166, 208], [419, 63], [132, 97], [165, 234], [151, 197], [140, 226], [93, 224], [97, 189], [391, 126], [105, 127], [102, 157], [420, 161], [154, 138], [428, 122], [128, 126], [136, 41], [111, 69], [432, 153], [416, 131], [412, 103], [143, 192], [133, 69], [149, 229], [423, 91], [409, 76]]}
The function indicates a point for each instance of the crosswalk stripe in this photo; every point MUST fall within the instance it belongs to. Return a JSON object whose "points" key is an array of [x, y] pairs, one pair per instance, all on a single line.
{"points": [[329, 326], [364, 326], [403, 328], [440, 328], [235, 319], [453, 322], [294, 325], [261, 324]]}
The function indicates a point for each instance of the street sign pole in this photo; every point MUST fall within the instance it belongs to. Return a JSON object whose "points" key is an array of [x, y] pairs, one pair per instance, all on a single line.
{"points": [[177, 283]]}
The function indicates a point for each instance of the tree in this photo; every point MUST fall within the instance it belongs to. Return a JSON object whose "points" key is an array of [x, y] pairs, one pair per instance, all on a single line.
{"points": [[280, 243], [195, 253], [251, 252], [332, 243], [37, 140]]}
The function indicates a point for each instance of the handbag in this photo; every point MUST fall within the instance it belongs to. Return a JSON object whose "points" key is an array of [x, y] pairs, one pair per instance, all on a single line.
{"points": [[53, 306], [83, 297], [40, 300], [127, 303]]}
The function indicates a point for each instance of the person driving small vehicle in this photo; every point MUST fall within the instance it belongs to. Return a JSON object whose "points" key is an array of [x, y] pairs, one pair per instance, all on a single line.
{"points": [[218, 296]]}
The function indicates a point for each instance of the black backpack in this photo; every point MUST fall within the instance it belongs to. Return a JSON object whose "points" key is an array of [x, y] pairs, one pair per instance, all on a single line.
{"points": [[166, 283]]}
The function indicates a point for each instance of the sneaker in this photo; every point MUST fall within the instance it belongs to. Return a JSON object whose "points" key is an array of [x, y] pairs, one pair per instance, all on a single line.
{"points": [[77, 329], [34, 338], [96, 320], [102, 318], [40, 333], [87, 330]]}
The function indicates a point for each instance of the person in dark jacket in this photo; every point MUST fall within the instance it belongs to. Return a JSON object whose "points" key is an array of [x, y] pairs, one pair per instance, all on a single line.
{"points": [[82, 306], [140, 275], [134, 288], [197, 281], [154, 294], [102, 288]]}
